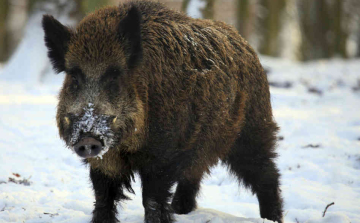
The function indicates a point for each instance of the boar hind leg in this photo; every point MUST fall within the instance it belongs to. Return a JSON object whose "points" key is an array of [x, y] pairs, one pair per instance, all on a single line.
{"points": [[251, 160], [156, 185], [108, 191], [184, 200]]}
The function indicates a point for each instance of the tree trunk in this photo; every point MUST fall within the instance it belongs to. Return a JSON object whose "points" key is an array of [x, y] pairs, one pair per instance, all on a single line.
{"points": [[4, 34], [270, 26], [91, 5], [339, 42], [30, 63], [323, 32], [185, 5], [243, 17], [208, 10]]}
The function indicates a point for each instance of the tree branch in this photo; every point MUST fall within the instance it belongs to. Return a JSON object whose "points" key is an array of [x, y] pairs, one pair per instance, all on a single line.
{"points": [[327, 208]]}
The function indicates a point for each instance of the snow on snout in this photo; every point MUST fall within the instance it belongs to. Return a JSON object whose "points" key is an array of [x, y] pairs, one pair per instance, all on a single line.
{"points": [[97, 125]]}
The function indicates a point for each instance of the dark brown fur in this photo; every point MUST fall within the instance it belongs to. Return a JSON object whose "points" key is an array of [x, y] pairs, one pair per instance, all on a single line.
{"points": [[191, 94]]}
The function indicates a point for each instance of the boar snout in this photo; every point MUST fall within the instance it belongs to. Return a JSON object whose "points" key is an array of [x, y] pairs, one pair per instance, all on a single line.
{"points": [[88, 147], [89, 133]]}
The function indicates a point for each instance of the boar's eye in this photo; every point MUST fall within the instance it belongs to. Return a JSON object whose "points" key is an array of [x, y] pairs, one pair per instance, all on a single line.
{"points": [[75, 82], [111, 75], [77, 77], [110, 81]]}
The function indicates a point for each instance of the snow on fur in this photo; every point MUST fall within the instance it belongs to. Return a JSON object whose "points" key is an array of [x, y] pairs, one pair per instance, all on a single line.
{"points": [[96, 125]]}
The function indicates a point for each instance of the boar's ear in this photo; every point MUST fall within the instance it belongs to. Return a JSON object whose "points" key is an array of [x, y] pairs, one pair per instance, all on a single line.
{"points": [[57, 37], [130, 30]]}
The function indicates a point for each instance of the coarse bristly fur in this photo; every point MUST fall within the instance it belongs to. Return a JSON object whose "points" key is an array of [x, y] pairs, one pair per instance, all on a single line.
{"points": [[173, 95]]}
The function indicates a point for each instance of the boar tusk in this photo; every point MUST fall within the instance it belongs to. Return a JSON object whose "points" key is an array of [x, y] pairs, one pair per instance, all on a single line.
{"points": [[67, 120], [114, 120]]}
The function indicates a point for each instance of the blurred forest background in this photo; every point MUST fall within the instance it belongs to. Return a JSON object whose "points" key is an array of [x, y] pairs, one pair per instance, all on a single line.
{"points": [[296, 29]]}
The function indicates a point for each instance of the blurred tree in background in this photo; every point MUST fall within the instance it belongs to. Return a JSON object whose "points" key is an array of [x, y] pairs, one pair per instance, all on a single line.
{"points": [[15, 13], [91, 5], [4, 33], [185, 5], [12, 22], [271, 24], [208, 10], [308, 29], [81, 8], [324, 30], [245, 17], [324, 26]]}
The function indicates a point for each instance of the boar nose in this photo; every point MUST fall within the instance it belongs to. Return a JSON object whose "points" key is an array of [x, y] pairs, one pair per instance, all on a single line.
{"points": [[88, 147]]}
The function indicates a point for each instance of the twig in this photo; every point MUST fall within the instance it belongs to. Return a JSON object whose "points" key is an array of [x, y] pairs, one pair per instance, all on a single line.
{"points": [[312, 146], [286, 213], [327, 208], [51, 215]]}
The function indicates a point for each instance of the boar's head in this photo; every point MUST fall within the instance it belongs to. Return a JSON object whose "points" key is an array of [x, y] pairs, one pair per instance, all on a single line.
{"points": [[99, 105]]}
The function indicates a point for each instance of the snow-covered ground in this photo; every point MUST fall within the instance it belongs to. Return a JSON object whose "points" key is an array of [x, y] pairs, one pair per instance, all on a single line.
{"points": [[317, 106]]}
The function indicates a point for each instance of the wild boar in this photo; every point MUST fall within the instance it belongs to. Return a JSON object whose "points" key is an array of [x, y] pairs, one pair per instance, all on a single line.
{"points": [[151, 91]]}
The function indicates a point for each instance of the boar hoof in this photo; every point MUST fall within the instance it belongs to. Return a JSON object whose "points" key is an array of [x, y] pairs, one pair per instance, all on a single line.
{"points": [[161, 215], [183, 205], [104, 217]]}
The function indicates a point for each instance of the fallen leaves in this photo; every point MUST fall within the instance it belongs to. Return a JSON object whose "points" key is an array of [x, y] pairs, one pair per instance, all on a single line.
{"points": [[24, 181]]}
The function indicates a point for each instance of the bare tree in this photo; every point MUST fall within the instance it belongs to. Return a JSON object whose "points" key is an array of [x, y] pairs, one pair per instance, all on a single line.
{"points": [[244, 17], [339, 29], [324, 30], [270, 26], [185, 5], [4, 34], [91, 5], [31, 54], [208, 11], [351, 9]]}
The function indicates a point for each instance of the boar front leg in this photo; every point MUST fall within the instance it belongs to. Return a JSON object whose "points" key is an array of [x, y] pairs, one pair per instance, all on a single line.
{"points": [[108, 191], [156, 185]]}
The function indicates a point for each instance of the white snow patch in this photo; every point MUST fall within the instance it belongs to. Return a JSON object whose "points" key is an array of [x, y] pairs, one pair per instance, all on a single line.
{"points": [[195, 7], [190, 40]]}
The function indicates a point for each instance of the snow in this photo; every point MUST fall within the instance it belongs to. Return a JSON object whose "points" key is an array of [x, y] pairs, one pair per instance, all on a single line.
{"points": [[194, 8], [190, 40], [319, 156]]}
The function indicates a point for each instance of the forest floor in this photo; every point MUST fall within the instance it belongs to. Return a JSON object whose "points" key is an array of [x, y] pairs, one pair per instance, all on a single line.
{"points": [[317, 106]]}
